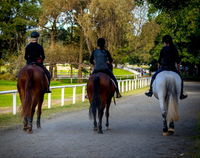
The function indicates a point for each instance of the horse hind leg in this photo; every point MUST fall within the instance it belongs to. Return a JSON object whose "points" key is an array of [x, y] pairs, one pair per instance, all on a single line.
{"points": [[107, 118], [39, 112], [100, 114], [30, 118], [171, 128], [25, 124], [165, 127], [93, 112], [107, 114]]}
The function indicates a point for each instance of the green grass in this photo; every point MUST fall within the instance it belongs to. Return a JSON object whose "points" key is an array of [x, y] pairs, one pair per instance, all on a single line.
{"points": [[7, 99], [121, 72]]}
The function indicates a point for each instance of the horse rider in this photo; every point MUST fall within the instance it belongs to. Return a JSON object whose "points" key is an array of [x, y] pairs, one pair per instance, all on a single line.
{"points": [[102, 61], [34, 54], [168, 60]]}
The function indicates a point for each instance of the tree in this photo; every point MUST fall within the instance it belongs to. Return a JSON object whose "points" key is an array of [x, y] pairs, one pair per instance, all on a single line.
{"points": [[15, 20], [181, 21]]}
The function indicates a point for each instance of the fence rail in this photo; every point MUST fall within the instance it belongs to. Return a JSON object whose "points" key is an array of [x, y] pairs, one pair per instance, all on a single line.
{"points": [[124, 86]]}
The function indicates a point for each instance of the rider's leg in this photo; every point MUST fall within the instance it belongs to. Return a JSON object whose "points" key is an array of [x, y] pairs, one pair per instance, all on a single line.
{"points": [[108, 72], [150, 92], [182, 95], [48, 76]]}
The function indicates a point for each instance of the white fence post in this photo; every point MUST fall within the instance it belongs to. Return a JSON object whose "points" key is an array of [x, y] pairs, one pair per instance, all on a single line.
{"points": [[126, 85], [74, 95], [119, 86], [83, 93], [136, 83], [14, 103], [122, 86], [132, 84], [129, 85], [62, 96], [49, 100]]}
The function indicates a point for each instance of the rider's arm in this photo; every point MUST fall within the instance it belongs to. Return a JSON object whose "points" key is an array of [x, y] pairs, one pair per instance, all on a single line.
{"points": [[26, 56], [161, 57], [42, 53], [92, 58], [109, 57]]}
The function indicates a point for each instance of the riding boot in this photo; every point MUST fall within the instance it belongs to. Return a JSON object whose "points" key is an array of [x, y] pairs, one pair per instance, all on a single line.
{"points": [[150, 92], [48, 90], [118, 95], [182, 95], [49, 79]]}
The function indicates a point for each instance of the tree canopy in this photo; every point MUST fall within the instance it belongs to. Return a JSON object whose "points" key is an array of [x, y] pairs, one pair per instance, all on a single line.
{"points": [[69, 29]]}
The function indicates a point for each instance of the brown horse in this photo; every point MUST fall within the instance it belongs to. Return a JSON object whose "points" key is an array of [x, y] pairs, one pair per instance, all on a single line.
{"points": [[100, 90], [32, 83]]}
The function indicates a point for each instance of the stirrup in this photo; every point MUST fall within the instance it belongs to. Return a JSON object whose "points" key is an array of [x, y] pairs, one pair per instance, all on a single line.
{"points": [[48, 91], [183, 96], [149, 94], [118, 95]]}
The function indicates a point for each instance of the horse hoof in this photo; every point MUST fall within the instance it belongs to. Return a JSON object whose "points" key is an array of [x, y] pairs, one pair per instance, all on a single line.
{"points": [[95, 128], [170, 131], [165, 134], [108, 128], [25, 128], [29, 132], [100, 132]]}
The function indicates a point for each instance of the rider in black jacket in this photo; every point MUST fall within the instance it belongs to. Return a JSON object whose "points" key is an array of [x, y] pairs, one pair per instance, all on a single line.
{"points": [[101, 59], [34, 54], [168, 60]]}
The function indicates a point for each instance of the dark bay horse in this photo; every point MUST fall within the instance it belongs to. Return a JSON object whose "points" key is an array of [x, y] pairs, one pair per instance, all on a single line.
{"points": [[100, 90], [32, 83]]}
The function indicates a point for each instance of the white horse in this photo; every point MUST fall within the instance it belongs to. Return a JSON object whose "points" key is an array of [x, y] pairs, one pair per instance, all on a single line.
{"points": [[167, 89]]}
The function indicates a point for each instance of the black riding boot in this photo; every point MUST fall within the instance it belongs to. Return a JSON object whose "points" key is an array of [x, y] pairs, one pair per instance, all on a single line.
{"points": [[118, 95], [182, 96], [150, 92], [49, 78]]}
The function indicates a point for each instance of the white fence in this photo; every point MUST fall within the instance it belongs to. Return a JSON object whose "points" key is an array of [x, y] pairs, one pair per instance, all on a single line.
{"points": [[124, 86]]}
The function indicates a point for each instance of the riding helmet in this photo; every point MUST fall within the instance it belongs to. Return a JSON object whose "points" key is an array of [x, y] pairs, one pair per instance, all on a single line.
{"points": [[35, 34]]}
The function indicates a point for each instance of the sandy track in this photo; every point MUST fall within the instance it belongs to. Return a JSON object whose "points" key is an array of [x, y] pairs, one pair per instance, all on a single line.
{"points": [[136, 132]]}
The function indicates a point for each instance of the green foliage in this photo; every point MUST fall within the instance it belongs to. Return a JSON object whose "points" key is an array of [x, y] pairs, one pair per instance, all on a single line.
{"points": [[15, 19], [182, 23]]}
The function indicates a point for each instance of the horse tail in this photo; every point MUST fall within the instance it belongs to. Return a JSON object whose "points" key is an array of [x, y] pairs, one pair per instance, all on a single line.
{"points": [[26, 109], [96, 98], [173, 114]]}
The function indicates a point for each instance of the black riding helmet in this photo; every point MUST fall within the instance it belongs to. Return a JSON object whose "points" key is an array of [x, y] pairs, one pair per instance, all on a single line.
{"points": [[101, 42], [35, 34], [167, 39]]}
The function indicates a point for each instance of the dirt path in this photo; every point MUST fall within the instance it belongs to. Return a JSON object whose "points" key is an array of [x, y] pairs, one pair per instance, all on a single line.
{"points": [[136, 132]]}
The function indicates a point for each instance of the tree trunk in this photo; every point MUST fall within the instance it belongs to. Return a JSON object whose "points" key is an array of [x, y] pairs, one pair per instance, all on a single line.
{"points": [[71, 71], [51, 70], [80, 59], [55, 71]]}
